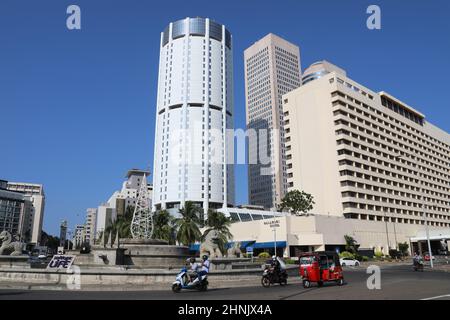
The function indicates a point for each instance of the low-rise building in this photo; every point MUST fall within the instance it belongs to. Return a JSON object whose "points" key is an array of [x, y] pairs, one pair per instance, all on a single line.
{"points": [[315, 232]]}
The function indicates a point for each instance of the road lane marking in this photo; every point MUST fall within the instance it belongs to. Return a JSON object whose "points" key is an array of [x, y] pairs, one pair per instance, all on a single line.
{"points": [[437, 297]]}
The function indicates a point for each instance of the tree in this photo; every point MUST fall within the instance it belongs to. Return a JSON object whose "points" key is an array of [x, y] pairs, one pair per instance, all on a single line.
{"points": [[188, 225], [297, 202], [403, 248], [121, 224], [350, 244], [164, 227], [220, 223], [49, 241]]}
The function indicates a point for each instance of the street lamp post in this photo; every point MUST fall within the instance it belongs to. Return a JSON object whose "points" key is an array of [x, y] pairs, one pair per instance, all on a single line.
{"points": [[274, 235], [387, 233]]}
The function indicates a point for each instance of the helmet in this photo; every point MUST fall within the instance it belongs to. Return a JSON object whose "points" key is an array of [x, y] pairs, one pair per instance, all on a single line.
{"points": [[274, 257], [192, 259], [205, 257]]}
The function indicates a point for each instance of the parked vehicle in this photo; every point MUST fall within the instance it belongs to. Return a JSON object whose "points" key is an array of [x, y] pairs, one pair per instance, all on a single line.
{"points": [[184, 281], [427, 256], [349, 262], [270, 277], [320, 267]]}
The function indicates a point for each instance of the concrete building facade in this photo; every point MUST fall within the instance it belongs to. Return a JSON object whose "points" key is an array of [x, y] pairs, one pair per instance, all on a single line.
{"points": [[365, 155], [296, 234], [36, 196], [194, 110], [272, 68], [15, 213], [79, 236], [90, 225]]}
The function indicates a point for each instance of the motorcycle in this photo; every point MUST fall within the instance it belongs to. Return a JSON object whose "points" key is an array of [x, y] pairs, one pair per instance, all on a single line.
{"points": [[270, 277], [182, 281], [418, 265]]}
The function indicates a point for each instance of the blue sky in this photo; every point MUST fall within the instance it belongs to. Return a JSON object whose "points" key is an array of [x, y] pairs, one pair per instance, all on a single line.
{"points": [[77, 107]]}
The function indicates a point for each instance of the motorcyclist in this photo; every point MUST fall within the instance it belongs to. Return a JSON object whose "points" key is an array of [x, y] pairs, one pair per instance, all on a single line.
{"points": [[204, 267], [275, 264], [193, 270]]}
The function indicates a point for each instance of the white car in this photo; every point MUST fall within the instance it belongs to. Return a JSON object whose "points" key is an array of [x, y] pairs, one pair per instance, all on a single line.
{"points": [[349, 262]]}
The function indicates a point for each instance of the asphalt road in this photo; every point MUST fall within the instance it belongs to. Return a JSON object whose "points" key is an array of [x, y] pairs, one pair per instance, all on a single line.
{"points": [[397, 282]]}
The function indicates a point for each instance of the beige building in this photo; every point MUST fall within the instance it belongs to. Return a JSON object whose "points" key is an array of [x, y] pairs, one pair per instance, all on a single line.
{"points": [[296, 234], [34, 193], [272, 68], [366, 156], [90, 225]]}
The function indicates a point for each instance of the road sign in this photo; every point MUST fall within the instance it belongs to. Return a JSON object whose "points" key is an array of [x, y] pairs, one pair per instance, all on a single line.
{"points": [[249, 249], [61, 261]]}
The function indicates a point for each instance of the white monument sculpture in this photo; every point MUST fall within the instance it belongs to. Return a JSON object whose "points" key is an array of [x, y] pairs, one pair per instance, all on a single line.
{"points": [[9, 247], [142, 223]]}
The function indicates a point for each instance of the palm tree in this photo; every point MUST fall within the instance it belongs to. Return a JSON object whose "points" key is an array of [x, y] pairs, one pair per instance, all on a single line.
{"points": [[121, 224], [219, 222], [188, 224], [164, 226]]}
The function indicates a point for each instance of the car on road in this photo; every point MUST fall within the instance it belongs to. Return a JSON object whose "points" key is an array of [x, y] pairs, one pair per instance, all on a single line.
{"points": [[349, 262]]}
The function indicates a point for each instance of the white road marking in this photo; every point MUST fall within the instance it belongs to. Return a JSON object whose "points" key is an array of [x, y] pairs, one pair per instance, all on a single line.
{"points": [[437, 297]]}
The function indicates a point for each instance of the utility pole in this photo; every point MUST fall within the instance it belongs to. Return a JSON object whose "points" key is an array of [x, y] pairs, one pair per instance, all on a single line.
{"points": [[387, 233], [274, 235]]}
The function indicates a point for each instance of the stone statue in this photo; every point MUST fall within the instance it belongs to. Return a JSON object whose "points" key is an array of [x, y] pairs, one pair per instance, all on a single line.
{"points": [[210, 246], [234, 251], [443, 245], [8, 247]]}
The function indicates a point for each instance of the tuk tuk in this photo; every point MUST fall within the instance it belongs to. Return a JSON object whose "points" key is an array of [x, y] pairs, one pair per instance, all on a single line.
{"points": [[320, 267]]}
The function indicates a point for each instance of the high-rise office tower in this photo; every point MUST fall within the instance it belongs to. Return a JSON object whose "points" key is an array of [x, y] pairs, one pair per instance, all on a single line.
{"points": [[194, 110], [272, 68]]}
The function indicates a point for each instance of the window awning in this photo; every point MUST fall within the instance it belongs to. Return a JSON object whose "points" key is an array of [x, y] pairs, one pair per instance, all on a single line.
{"points": [[269, 245], [245, 244]]}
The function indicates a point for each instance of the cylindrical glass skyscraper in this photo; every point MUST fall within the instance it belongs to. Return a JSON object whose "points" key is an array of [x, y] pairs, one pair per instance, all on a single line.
{"points": [[194, 110]]}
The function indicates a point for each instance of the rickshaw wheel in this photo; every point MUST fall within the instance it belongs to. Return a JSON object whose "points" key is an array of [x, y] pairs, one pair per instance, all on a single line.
{"points": [[320, 284], [306, 284], [340, 282]]}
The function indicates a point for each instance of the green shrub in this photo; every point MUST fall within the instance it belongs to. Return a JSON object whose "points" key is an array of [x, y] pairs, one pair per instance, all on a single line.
{"points": [[378, 254], [346, 254], [290, 261], [364, 258], [264, 255]]}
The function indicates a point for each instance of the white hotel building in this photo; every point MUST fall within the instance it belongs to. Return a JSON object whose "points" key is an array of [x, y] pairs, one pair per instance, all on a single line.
{"points": [[370, 161], [194, 109]]}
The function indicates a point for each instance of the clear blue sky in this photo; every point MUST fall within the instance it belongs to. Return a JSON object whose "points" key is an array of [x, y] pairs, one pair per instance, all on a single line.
{"points": [[77, 107]]}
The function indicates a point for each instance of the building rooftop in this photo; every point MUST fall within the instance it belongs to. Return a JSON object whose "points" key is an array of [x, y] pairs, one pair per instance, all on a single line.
{"points": [[137, 172]]}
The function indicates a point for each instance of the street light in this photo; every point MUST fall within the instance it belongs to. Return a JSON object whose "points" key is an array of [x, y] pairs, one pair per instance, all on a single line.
{"points": [[274, 235], [424, 214]]}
